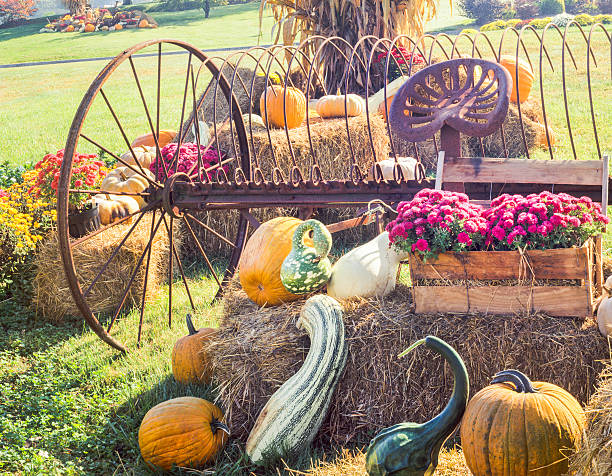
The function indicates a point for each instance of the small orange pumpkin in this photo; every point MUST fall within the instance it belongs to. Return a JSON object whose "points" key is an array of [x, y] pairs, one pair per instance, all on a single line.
{"points": [[272, 103], [69, 28], [89, 28], [118, 27], [143, 23], [185, 431], [525, 77], [541, 140], [189, 362], [165, 137], [262, 258]]}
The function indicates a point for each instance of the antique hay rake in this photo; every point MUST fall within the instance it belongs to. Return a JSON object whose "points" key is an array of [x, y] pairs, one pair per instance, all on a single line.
{"points": [[224, 199]]}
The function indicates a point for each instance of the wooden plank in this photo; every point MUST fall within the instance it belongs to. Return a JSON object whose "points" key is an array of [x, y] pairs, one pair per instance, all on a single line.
{"points": [[440, 170], [564, 301], [599, 277], [479, 170], [566, 263]]}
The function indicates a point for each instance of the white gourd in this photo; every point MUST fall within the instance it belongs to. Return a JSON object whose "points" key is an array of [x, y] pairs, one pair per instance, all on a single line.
{"points": [[376, 99], [407, 164], [604, 311], [367, 271], [290, 420]]}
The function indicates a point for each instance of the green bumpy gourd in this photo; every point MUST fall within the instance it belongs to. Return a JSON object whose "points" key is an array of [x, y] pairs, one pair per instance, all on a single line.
{"points": [[411, 449], [306, 268]]}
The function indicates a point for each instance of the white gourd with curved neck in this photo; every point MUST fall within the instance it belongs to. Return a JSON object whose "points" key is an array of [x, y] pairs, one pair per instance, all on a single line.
{"points": [[367, 271], [604, 311]]}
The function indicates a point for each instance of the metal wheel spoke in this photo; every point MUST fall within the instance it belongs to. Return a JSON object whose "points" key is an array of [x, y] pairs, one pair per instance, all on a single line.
{"points": [[159, 58], [196, 125], [180, 131], [206, 149], [144, 104], [131, 281], [110, 225], [123, 162], [127, 142], [208, 263], [209, 229], [108, 192], [112, 256], [170, 271], [146, 279], [180, 265]]}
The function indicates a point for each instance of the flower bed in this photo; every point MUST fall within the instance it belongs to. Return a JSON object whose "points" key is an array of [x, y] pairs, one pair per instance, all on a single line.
{"points": [[524, 254]]}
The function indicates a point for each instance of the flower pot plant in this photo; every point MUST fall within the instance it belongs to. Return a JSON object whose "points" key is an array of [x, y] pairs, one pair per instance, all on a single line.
{"points": [[87, 174], [532, 253]]}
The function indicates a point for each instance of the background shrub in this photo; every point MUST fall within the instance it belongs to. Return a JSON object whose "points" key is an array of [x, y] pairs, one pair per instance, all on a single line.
{"points": [[527, 9], [513, 22], [562, 19], [551, 7], [584, 19], [605, 19], [469, 31], [509, 13], [493, 26], [483, 11], [540, 23]]}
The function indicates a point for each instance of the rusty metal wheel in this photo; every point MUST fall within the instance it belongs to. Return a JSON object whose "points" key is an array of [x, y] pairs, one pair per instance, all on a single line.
{"points": [[168, 72]]}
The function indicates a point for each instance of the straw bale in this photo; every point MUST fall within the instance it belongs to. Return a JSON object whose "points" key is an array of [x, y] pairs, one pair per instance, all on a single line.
{"points": [[594, 458], [256, 350], [450, 463], [532, 119], [52, 298]]}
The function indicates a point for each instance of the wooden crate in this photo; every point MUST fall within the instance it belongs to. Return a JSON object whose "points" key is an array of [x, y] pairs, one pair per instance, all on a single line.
{"points": [[477, 271]]}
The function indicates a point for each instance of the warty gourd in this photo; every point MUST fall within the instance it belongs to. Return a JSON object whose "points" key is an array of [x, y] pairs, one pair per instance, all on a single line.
{"points": [[367, 271]]}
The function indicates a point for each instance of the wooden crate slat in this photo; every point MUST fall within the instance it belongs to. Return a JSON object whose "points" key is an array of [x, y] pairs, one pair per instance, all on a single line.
{"points": [[500, 170], [569, 263], [564, 301]]}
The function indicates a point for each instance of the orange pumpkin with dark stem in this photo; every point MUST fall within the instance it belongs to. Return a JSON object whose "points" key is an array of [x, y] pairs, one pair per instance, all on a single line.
{"points": [[272, 103], [185, 431], [521, 428], [165, 137], [262, 258], [525, 77], [189, 362]]}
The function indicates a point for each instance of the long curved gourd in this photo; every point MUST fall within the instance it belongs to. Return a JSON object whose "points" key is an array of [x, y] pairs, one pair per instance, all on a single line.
{"points": [[411, 449], [307, 268], [290, 420]]}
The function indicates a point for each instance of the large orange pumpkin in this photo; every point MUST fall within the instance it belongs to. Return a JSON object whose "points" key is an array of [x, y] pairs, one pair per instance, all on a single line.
{"points": [[519, 428], [165, 137], [143, 23], [185, 431], [89, 27], [272, 102], [118, 27], [262, 258], [525, 77], [189, 362]]}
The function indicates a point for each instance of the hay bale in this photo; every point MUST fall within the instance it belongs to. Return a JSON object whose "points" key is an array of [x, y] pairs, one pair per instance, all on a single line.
{"points": [[256, 350], [450, 463], [594, 458], [532, 119], [52, 298]]}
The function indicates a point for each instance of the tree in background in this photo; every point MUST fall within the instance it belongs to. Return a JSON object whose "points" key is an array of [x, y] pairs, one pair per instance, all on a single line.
{"points": [[13, 10], [76, 7]]}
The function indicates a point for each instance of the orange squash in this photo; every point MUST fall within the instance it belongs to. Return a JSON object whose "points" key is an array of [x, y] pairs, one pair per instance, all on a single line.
{"points": [[541, 136], [521, 428], [525, 77], [89, 27], [262, 258], [165, 137], [189, 362], [272, 102], [143, 23], [69, 29], [185, 431], [381, 108], [118, 27]]}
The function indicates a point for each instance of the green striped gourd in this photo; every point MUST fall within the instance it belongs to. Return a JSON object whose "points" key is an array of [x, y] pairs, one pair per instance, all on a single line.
{"points": [[291, 418], [306, 268]]}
